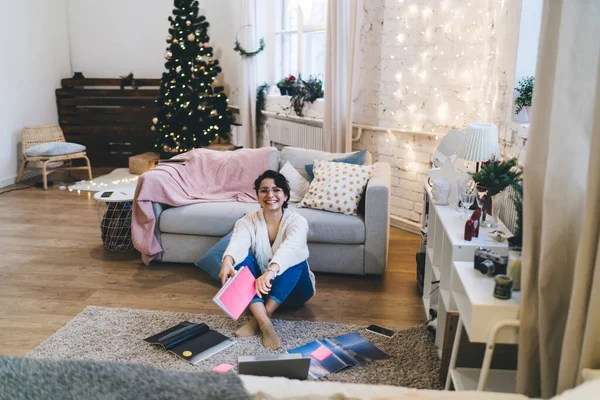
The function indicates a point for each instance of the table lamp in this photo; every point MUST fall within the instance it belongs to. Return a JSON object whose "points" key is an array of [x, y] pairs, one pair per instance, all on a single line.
{"points": [[480, 143]]}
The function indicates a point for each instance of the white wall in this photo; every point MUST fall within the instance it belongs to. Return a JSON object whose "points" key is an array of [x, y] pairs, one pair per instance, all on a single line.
{"points": [[111, 38], [35, 56], [529, 37]]}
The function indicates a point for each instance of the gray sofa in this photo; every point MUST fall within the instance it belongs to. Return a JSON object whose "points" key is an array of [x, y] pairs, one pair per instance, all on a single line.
{"points": [[337, 243]]}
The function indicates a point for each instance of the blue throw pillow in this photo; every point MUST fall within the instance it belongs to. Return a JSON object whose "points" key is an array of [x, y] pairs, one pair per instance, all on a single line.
{"points": [[359, 158], [211, 260]]}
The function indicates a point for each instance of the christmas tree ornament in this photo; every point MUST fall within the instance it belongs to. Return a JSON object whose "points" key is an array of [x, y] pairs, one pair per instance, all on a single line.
{"points": [[175, 41], [206, 45], [191, 37], [168, 55], [184, 128], [169, 115], [155, 120], [178, 69], [210, 60], [202, 68], [188, 22], [169, 38], [152, 128]]}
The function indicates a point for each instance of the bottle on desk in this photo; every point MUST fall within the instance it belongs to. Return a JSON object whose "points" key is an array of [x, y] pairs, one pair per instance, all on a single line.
{"points": [[472, 225]]}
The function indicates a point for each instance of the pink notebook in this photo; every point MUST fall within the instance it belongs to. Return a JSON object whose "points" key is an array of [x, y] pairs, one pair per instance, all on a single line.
{"points": [[237, 293]]}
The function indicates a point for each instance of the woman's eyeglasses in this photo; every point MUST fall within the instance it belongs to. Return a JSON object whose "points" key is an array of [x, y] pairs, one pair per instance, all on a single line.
{"points": [[267, 190]]}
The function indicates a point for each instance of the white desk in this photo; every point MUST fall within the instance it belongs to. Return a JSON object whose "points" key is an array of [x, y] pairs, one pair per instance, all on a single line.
{"points": [[486, 319], [445, 245]]}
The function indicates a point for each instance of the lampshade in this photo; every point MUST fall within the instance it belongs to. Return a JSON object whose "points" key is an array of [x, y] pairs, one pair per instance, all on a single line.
{"points": [[480, 142]]}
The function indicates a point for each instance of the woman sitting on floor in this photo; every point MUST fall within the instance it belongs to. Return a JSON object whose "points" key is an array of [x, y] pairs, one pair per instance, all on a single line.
{"points": [[272, 242]]}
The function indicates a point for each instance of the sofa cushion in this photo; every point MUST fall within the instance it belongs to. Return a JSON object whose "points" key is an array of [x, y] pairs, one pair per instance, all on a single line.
{"points": [[218, 219], [207, 219], [337, 187], [298, 184], [300, 157], [274, 159], [359, 158], [328, 227]]}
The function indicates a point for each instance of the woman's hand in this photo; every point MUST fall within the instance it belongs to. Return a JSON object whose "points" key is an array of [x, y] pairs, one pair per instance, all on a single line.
{"points": [[263, 283], [227, 269]]}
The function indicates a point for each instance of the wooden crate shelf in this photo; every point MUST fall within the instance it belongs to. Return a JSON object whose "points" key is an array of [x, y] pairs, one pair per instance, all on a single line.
{"points": [[113, 123]]}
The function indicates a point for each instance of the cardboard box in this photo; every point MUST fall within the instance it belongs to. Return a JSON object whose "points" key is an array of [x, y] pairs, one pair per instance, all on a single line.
{"points": [[142, 162]]}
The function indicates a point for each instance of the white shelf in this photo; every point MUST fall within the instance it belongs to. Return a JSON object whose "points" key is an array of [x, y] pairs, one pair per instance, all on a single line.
{"points": [[454, 227], [436, 273], [445, 294], [426, 302], [479, 309], [429, 253], [499, 380]]}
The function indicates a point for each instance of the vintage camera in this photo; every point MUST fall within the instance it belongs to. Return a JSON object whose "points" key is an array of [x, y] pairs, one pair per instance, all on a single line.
{"points": [[490, 263]]}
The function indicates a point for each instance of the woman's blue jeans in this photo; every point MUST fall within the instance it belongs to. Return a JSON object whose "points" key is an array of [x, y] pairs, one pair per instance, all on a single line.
{"points": [[293, 288]]}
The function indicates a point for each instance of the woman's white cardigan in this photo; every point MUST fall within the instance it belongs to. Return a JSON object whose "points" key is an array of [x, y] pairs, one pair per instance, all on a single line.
{"points": [[251, 234]]}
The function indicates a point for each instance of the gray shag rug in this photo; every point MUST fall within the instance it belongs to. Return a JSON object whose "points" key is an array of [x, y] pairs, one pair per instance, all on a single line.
{"points": [[116, 334]]}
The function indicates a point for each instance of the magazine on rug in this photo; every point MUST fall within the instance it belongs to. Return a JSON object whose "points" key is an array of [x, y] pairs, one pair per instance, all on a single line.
{"points": [[236, 293], [334, 354], [190, 341]]}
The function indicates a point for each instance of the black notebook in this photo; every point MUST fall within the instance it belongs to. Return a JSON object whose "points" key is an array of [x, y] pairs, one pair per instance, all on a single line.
{"points": [[190, 341]]}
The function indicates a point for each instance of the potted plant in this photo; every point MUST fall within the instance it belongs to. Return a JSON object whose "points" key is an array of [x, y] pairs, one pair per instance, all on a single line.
{"points": [[307, 90], [523, 100], [287, 85], [493, 177]]}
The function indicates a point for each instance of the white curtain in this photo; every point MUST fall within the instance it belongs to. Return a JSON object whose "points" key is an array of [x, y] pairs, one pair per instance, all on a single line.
{"points": [[344, 18], [560, 311], [247, 132]]}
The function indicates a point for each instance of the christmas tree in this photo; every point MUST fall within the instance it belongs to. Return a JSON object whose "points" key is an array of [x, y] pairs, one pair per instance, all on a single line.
{"points": [[192, 109]]}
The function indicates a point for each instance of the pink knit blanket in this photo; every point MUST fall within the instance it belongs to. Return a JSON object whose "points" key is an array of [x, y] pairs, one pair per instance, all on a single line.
{"points": [[207, 175]]}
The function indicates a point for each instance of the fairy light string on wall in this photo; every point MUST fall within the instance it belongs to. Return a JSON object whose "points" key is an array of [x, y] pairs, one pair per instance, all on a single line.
{"points": [[445, 67]]}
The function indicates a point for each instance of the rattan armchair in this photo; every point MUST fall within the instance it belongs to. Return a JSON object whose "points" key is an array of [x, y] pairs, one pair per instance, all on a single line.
{"points": [[33, 135]]}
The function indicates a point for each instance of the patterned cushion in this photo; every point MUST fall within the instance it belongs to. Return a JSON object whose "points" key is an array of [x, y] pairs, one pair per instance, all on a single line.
{"points": [[358, 158], [337, 187]]}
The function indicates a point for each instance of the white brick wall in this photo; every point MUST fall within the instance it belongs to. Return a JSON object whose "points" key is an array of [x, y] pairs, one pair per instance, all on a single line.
{"points": [[425, 51], [430, 65]]}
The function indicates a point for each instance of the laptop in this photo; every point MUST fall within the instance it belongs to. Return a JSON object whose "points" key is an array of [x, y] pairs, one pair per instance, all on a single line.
{"points": [[292, 366]]}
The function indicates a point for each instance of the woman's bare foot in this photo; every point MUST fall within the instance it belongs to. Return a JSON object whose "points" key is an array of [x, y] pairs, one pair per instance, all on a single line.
{"points": [[270, 338], [250, 328]]}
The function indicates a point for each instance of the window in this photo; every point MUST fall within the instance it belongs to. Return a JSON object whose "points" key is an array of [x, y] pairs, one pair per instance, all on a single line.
{"points": [[300, 38]]}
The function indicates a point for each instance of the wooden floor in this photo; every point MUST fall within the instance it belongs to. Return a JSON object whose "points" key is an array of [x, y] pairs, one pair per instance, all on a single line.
{"points": [[52, 265]]}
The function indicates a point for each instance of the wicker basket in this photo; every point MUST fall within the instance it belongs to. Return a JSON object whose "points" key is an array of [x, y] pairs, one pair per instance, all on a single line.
{"points": [[114, 214]]}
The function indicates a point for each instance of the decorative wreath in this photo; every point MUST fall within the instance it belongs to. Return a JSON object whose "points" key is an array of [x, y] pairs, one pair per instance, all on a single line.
{"points": [[238, 47]]}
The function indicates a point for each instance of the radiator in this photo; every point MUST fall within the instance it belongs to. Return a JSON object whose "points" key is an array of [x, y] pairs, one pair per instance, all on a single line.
{"points": [[505, 209], [296, 134]]}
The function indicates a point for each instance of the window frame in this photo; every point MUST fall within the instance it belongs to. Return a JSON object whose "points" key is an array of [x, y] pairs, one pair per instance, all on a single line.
{"points": [[301, 29]]}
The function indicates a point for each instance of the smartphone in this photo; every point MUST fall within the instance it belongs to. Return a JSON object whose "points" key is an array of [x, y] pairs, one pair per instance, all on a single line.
{"points": [[380, 330], [106, 194]]}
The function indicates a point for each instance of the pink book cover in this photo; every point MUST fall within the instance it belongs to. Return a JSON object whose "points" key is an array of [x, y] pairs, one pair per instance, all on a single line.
{"points": [[237, 293]]}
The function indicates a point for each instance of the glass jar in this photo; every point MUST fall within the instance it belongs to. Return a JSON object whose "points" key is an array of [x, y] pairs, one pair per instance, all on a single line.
{"points": [[514, 266]]}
